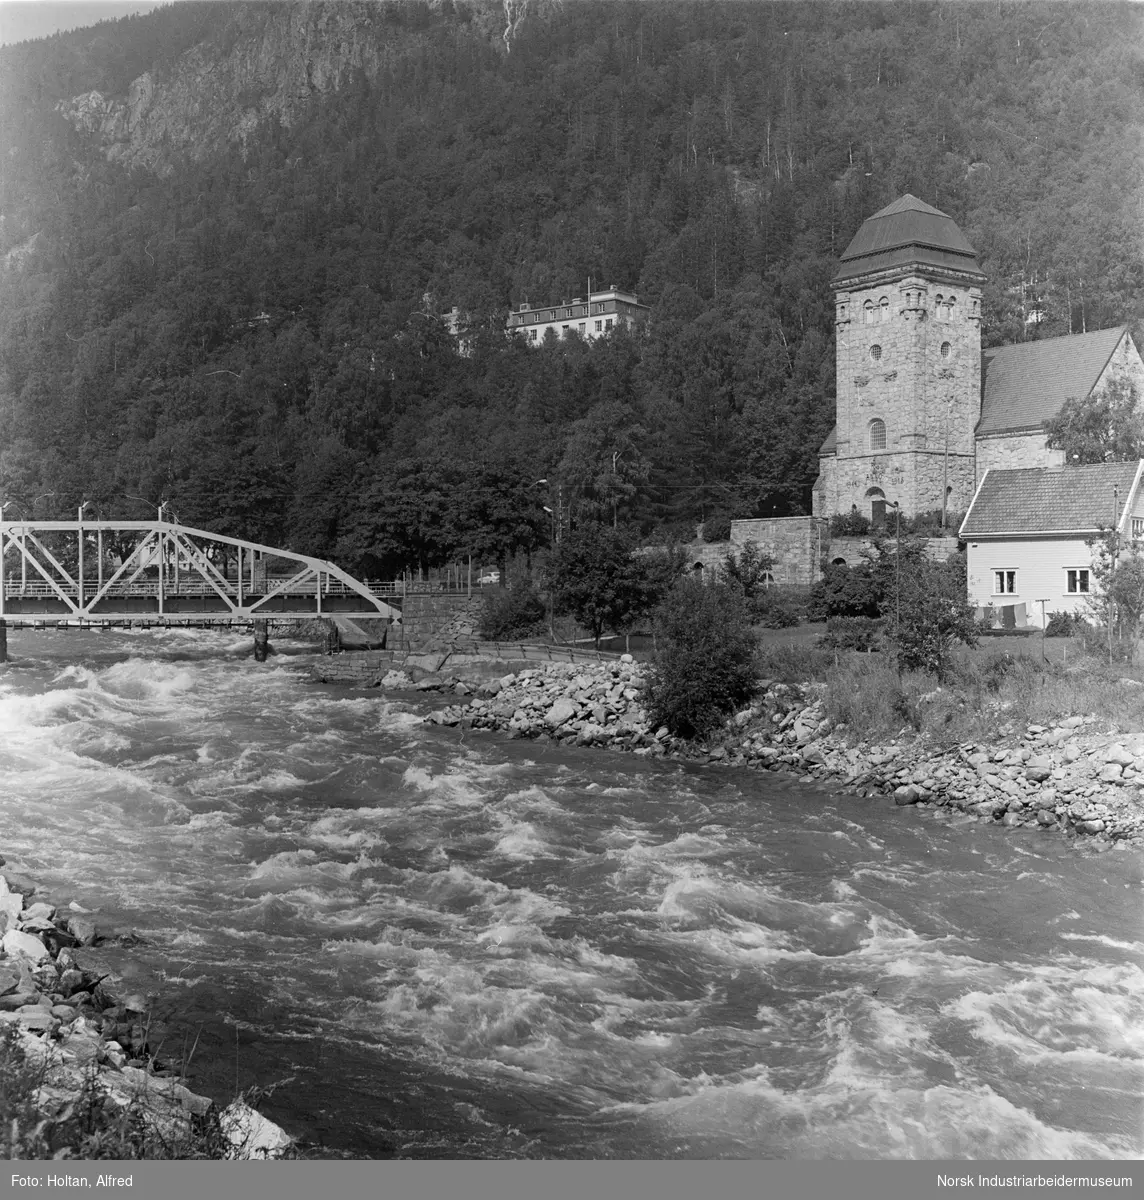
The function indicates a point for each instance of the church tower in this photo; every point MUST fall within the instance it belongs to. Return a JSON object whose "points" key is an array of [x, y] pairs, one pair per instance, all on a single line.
{"points": [[908, 327]]}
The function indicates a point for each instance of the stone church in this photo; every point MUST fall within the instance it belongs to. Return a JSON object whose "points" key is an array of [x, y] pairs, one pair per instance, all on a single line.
{"points": [[922, 412]]}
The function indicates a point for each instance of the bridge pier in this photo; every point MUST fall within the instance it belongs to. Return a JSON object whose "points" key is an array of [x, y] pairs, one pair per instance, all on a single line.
{"points": [[3, 640], [261, 641]]}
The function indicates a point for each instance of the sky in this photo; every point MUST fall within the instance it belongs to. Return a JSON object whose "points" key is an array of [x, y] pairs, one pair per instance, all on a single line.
{"points": [[22, 20]]}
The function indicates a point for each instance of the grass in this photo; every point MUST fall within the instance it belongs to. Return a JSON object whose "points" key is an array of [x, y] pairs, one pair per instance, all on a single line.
{"points": [[1004, 681]]}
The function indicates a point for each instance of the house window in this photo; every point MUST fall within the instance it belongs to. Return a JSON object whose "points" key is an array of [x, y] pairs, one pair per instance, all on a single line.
{"points": [[583, 326], [877, 434], [1004, 583], [599, 326], [532, 335], [875, 352], [608, 323], [1137, 528], [1077, 581]]}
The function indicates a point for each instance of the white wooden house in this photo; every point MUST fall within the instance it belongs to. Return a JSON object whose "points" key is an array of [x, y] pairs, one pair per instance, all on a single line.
{"points": [[1027, 536]]}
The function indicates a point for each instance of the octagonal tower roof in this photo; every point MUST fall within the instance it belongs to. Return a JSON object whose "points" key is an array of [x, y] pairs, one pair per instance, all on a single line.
{"points": [[907, 233]]}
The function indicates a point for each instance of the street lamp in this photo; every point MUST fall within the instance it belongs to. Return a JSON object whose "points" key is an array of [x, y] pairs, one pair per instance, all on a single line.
{"points": [[897, 564]]}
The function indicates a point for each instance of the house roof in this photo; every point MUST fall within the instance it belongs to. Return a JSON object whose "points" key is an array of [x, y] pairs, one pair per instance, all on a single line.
{"points": [[1024, 385], [907, 231], [830, 444], [1042, 500]]}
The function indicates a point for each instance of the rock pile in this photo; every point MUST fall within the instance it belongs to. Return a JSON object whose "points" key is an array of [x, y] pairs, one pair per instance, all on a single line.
{"points": [[585, 703], [1070, 776], [72, 1027]]}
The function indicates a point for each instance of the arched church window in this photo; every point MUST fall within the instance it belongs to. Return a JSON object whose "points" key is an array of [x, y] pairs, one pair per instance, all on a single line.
{"points": [[884, 305], [949, 308], [877, 434], [939, 307], [869, 307]]}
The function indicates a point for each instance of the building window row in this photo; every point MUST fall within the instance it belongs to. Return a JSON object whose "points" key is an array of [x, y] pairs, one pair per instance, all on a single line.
{"points": [[877, 313], [1078, 582]]}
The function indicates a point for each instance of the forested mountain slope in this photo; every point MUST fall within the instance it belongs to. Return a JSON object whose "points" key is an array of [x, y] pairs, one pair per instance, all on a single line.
{"points": [[229, 230]]}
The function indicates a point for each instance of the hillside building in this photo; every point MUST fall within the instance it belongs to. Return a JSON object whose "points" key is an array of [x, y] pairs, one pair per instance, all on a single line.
{"points": [[591, 318], [921, 412]]}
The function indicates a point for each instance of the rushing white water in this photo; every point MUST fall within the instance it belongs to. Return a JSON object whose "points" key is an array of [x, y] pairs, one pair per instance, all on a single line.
{"points": [[460, 946]]}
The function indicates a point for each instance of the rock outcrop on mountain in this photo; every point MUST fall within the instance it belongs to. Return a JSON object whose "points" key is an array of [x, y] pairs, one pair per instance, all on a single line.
{"points": [[264, 67]]}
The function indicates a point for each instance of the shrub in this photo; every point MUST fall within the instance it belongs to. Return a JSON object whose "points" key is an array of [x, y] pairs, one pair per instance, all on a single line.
{"points": [[703, 666], [851, 524], [717, 528], [845, 592], [1063, 624], [929, 614], [512, 614], [779, 608], [853, 633], [794, 664]]}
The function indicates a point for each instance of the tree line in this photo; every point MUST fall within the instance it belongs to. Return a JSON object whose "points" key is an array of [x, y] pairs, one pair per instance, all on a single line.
{"points": [[254, 332]]}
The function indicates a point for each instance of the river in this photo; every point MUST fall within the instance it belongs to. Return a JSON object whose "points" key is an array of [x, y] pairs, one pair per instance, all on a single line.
{"points": [[448, 945]]}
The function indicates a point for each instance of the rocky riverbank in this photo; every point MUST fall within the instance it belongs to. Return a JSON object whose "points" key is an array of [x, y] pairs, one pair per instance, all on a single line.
{"points": [[84, 1046], [1074, 776]]}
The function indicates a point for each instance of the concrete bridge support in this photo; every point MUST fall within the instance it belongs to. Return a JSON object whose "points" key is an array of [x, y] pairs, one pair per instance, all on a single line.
{"points": [[3, 640], [261, 641]]}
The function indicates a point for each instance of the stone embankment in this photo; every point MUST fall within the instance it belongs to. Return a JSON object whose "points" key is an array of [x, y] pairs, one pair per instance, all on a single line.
{"points": [[77, 1034], [1072, 776]]}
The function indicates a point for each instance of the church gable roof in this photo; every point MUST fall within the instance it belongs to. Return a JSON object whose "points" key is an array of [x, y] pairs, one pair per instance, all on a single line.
{"points": [[1025, 384], [1043, 500], [907, 231]]}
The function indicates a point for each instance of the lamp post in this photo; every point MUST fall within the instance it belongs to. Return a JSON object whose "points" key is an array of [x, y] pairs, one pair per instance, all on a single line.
{"points": [[897, 564], [79, 538]]}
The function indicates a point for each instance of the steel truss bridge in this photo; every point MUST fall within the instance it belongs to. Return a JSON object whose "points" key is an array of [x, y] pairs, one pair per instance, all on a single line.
{"points": [[108, 572]]}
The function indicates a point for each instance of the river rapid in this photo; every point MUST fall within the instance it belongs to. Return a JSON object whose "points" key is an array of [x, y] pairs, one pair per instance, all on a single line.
{"points": [[452, 945]]}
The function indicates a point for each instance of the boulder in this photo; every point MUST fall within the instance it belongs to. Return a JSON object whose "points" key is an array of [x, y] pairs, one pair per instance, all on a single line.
{"points": [[1111, 773], [562, 711], [907, 794], [250, 1134], [82, 930], [24, 945], [1046, 817]]}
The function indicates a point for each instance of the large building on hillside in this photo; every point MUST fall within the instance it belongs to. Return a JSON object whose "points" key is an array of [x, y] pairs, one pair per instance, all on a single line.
{"points": [[921, 412], [594, 317]]}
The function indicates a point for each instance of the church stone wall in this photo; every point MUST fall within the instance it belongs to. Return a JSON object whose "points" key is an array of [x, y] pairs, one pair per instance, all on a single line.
{"points": [[909, 356], [1015, 450]]}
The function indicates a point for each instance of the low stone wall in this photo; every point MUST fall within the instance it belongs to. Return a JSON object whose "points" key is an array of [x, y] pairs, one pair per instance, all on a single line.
{"points": [[795, 543]]}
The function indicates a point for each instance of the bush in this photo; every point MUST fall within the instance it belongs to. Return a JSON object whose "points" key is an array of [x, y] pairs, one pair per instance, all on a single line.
{"points": [[717, 528], [779, 608], [512, 614], [845, 592], [851, 524], [703, 666], [1064, 624], [853, 633]]}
